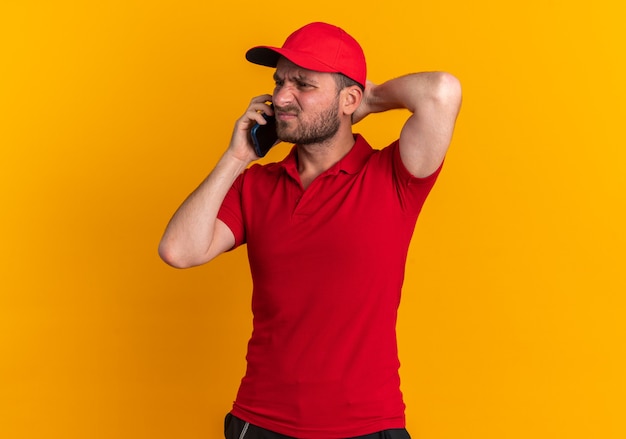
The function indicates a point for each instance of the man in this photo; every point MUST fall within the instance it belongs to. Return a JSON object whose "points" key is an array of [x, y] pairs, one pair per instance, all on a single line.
{"points": [[327, 232]]}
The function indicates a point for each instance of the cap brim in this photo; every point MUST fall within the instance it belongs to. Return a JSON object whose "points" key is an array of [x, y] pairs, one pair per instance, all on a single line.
{"points": [[263, 55]]}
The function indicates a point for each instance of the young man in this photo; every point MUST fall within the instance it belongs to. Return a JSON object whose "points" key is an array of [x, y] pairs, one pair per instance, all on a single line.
{"points": [[327, 231]]}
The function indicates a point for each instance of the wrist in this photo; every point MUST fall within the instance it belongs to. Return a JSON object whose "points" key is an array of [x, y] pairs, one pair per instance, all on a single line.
{"points": [[238, 158]]}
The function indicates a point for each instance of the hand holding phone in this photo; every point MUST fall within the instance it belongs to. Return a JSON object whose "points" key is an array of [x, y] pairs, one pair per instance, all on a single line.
{"points": [[264, 136]]}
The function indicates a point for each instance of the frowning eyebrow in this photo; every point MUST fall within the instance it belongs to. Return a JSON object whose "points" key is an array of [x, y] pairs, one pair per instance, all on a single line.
{"points": [[298, 77]]}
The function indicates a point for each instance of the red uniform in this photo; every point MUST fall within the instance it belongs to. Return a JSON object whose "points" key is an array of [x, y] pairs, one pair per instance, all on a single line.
{"points": [[327, 265]]}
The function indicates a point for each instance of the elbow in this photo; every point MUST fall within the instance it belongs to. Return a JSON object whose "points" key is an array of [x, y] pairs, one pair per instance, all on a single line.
{"points": [[447, 90], [171, 256]]}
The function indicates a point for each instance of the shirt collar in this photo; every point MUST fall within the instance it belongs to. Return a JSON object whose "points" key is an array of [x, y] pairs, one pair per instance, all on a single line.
{"points": [[351, 163]]}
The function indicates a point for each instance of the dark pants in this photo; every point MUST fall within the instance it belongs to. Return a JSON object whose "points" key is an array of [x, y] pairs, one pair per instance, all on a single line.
{"points": [[235, 428]]}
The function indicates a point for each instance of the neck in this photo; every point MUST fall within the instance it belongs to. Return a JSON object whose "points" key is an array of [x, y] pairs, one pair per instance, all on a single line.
{"points": [[314, 159]]}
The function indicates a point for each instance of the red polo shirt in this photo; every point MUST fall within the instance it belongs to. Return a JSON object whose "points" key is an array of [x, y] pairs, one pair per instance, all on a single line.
{"points": [[327, 265]]}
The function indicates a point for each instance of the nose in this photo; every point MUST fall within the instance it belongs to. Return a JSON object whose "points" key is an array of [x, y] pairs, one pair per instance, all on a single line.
{"points": [[282, 96]]}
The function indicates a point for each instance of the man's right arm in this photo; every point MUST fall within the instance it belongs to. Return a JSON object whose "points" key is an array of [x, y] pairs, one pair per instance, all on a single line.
{"points": [[194, 235]]}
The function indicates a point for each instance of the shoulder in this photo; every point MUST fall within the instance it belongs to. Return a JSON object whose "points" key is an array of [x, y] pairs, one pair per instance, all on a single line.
{"points": [[389, 160], [261, 179]]}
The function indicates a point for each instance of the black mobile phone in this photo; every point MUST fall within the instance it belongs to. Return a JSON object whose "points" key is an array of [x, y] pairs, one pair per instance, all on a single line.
{"points": [[264, 136]]}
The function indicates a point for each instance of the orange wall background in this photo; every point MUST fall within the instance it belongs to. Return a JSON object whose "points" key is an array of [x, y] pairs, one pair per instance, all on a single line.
{"points": [[513, 316]]}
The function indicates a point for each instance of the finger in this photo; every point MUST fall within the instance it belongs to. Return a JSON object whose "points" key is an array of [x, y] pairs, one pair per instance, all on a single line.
{"points": [[259, 103], [260, 107], [256, 115], [261, 99]]}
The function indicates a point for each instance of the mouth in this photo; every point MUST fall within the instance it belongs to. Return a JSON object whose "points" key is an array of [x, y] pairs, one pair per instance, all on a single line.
{"points": [[285, 114]]}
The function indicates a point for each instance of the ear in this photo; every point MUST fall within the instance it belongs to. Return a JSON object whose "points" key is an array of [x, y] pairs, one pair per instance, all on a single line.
{"points": [[351, 99]]}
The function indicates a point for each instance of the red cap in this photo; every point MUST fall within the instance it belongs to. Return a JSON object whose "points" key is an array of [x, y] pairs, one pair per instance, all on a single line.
{"points": [[317, 46]]}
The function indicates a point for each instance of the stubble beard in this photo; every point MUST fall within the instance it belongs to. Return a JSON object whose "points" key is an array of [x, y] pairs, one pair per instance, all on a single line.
{"points": [[322, 128]]}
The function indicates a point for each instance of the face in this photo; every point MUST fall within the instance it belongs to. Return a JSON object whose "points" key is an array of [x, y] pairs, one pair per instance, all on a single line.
{"points": [[306, 104]]}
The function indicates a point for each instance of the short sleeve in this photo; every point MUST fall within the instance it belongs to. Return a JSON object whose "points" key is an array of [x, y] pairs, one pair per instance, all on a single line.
{"points": [[412, 190]]}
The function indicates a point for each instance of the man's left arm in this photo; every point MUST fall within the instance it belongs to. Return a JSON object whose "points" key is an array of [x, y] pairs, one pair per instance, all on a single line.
{"points": [[434, 99]]}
